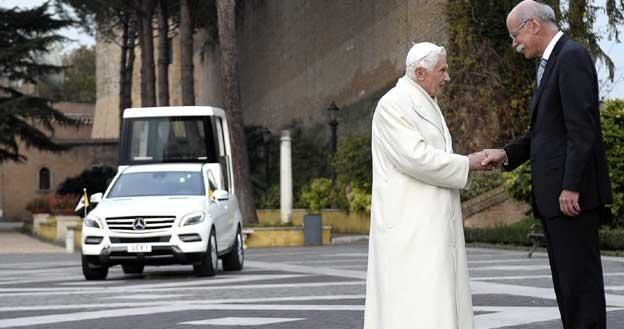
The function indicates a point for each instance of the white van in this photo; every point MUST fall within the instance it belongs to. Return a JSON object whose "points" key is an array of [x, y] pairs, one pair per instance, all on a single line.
{"points": [[173, 199]]}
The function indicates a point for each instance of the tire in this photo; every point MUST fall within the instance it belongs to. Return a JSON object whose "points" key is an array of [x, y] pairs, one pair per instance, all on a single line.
{"points": [[210, 261], [132, 268], [234, 260], [93, 271]]}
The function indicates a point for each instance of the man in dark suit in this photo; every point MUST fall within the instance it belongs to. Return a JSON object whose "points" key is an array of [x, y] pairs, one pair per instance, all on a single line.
{"points": [[569, 171]]}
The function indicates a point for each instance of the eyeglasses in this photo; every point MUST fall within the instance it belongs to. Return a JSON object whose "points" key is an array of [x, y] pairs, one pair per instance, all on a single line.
{"points": [[515, 33]]}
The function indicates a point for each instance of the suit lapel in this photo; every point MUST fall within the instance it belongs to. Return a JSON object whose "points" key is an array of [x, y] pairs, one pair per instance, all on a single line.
{"points": [[552, 60]]}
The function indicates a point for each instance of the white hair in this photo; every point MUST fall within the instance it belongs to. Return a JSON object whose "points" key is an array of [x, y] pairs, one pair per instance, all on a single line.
{"points": [[543, 12], [423, 55]]}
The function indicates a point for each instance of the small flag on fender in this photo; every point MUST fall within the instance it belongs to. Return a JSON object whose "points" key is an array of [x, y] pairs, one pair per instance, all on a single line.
{"points": [[83, 202]]}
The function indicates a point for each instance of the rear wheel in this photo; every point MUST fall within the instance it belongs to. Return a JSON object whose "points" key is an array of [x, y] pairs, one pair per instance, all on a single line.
{"points": [[133, 268], [93, 271], [208, 265], [233, 261]]}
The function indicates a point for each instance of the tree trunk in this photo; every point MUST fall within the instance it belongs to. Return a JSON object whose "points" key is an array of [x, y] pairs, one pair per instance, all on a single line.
{"points": [[186, 53], [126, 67], [226, 13], [148, 78], [163, 54], [122, 70]]}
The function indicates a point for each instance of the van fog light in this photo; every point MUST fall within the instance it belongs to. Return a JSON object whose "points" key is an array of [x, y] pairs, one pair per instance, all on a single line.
{"points": [[93, 240], [190, 237]]}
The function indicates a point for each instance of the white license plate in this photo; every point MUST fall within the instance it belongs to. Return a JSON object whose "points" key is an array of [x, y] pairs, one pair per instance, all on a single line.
{"points": [[139, 248]]}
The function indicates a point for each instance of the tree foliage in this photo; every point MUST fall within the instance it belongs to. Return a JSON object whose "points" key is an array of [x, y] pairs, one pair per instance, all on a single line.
{"points": [[490, 81], [78, 84], [95, 179], [26, 35]]}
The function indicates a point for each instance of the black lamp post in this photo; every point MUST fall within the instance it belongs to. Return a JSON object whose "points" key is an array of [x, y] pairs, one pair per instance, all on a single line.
{"points": [[266, 140], [333, 124]]}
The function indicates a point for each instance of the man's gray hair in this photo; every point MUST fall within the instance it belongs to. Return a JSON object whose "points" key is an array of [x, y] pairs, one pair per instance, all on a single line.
{"points": [[539, 10], [423, 55]]}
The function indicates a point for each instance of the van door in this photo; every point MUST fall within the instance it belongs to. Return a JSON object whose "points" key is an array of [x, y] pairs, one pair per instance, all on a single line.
{"points": [[217, 210], [226, 174]]}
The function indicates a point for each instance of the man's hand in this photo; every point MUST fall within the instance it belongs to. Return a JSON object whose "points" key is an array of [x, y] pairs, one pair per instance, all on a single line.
{"points": [[494, 157], [475, 160], [568, 202]]}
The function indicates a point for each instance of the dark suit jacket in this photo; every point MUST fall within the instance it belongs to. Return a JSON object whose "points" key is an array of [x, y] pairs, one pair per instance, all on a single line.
{"points": [[564, 141]]}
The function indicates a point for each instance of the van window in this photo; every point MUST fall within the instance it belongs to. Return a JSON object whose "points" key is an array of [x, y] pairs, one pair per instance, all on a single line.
{"points": [[168, 139], [223, 156], [164, 183]]}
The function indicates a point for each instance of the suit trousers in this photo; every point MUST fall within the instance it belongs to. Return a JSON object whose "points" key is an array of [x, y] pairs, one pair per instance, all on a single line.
{"points": [[574, 256]]}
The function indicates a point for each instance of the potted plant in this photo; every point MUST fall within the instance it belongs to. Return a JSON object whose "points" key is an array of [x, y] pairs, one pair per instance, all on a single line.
{"points": [[315, 196]]}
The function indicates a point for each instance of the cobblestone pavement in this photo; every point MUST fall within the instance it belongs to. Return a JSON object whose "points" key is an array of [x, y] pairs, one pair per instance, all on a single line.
{"points": [[315, 287]]}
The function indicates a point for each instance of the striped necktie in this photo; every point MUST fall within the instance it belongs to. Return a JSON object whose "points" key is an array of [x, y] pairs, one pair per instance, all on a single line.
{"points": [[540, 70]]}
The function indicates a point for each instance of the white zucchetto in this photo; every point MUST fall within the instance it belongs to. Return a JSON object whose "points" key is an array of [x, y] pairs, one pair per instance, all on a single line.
{"points": [[419, 51]]}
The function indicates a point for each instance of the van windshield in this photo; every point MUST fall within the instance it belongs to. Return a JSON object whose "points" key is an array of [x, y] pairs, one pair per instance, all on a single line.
{"points": [[162, 183], [168, 139]]}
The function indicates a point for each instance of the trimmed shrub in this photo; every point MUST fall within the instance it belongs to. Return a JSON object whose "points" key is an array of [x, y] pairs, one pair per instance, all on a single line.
{"points": [[354, 162], [514, 234], [270, 199], [360, 201], [316, 195], [612, 120]]}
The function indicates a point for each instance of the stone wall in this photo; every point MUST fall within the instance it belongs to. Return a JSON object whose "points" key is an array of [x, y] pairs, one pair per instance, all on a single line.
{"points": [[19, 181], [207, 80], [296, 57]]}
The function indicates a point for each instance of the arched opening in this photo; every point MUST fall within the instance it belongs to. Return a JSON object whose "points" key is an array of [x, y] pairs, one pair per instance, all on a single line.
{"points": [[44, 179]]}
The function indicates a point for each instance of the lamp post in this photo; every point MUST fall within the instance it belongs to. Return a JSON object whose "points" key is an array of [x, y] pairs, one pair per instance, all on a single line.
{"points": [[333, 124], [266, 139]]}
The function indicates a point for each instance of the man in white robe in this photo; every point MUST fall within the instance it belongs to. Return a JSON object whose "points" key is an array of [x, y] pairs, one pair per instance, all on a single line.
{"points": [[417, 267]]}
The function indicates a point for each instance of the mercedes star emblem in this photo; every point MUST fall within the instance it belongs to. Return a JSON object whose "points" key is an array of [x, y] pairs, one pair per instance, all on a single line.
{"points": [[139, 224]]}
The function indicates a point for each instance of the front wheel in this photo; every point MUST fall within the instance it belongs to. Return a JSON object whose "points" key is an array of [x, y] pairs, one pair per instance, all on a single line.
{"points": [[208, 265], [233, 261], [92, 271]]}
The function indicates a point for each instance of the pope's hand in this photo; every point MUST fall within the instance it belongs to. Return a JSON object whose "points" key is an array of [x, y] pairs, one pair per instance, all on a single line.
{"points": [[494, 157], [475, 160]]}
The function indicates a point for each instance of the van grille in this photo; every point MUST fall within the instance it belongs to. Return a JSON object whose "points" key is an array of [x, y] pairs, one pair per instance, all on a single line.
{"points": [[152, 223], [141, 240]]}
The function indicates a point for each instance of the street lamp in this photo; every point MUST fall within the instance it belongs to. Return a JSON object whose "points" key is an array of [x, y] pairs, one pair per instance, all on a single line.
{"points": [[333, 124], [266, 140]]}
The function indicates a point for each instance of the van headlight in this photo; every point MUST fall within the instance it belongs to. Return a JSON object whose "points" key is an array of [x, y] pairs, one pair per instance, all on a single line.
{"points": [[92, 221], [192, 219]]}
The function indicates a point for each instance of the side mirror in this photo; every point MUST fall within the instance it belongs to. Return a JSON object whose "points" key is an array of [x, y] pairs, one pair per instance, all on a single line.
{"points": [[221, 195], [95, 198]]}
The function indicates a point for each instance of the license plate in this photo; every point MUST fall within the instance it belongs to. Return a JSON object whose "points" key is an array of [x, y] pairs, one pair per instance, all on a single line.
{"points": [[139, 248]]}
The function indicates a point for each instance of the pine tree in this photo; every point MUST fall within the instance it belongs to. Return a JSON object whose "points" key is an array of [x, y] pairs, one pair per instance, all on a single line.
{"points": [[25, 35]]}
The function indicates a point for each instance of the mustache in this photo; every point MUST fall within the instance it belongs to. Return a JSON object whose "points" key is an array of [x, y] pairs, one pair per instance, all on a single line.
{"points": [[520, 48]]}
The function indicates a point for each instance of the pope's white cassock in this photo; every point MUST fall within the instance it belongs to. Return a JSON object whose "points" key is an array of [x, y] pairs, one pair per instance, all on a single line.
{"points": [[417, 267]]}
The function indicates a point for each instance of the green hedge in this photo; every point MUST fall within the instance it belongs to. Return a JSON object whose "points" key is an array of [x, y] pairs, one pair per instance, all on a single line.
{"points": [[611, 239], [515, 234]]}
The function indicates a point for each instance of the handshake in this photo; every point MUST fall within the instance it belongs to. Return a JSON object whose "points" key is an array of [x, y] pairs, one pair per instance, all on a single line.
{"points": [[486, 159]]}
